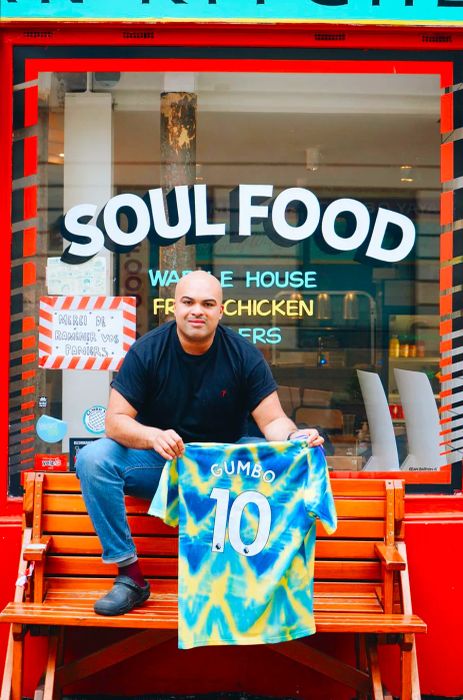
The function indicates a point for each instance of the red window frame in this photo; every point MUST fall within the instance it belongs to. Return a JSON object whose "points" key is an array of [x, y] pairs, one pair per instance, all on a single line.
{"points": [[281, 36]]}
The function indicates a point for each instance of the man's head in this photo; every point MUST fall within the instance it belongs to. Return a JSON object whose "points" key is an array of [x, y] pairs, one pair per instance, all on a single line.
{"points": [[198, 310]]}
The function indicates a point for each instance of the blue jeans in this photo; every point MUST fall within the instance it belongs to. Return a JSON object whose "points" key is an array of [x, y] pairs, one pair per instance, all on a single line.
{"points": [[107, 471]]}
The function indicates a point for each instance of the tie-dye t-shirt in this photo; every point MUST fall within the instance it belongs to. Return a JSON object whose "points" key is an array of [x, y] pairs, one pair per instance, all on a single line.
{"points": [[246, 516]]}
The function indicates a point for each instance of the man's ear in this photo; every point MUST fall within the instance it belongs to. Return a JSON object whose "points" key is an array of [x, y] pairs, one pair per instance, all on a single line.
{"points": [[221, 310]]}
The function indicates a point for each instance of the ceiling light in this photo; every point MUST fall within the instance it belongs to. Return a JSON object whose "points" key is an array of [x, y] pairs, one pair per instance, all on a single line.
{"points": [[312, 158]]}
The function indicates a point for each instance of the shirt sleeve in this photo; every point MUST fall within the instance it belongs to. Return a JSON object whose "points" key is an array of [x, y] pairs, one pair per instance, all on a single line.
{"points": [[259, 380], [131, 380], [319, 497], [165, 501]]}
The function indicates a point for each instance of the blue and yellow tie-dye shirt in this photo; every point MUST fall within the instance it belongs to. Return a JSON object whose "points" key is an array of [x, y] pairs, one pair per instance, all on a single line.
{"points": [[246, 516]]}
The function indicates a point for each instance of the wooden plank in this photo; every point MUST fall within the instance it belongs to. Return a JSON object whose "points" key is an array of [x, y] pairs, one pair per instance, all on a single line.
{"points": [[407, 608], [347, 570], [154, 615], [84, 599], [167, 567], [357, 487], [75, 565], [389, 534], [50, 673], [87, 544], [360, 508], [390, 556], [112, 655], [74, 503], [38, 507], [356, 529], [321, 588], [101, 584], [346, 605], [28, 498], [92, 566], [81, 523], [345, 549], [371, 646], [67, 481], [328, 666], [60, 481], [18, 597], [406, 667], [168, 546], [399, 508], [18, 633]]}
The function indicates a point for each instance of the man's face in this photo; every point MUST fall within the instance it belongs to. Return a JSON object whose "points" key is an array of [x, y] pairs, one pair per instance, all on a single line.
{"points": [[198, 308]]}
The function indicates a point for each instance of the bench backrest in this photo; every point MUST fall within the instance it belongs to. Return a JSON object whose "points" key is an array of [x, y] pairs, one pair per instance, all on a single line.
{"points": [[369, 511]]}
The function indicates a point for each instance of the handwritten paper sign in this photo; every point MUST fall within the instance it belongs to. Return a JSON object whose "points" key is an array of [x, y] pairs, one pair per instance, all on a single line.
{"points": [[83, 332]]}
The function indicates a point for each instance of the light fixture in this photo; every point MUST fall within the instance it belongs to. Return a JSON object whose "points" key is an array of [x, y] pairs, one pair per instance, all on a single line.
{"points": [[323, 306], [350, 306], [406, 173], [312, 158]]}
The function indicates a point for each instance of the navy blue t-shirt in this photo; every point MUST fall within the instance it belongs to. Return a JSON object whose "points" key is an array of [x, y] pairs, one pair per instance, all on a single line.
{"points": [[204, 398]]}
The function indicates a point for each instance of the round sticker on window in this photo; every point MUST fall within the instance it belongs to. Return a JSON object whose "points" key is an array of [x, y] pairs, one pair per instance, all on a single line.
{"points": [[94, 418]]}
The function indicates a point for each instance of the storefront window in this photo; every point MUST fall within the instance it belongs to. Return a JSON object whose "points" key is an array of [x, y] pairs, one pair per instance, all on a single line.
{"points": [[316, 202]]}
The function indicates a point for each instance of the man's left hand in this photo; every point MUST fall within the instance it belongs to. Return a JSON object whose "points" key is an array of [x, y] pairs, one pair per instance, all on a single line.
{"points": [[312, 436]]}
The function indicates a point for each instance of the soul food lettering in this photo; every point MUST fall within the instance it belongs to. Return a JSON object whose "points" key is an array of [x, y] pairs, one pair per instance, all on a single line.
{"points": [[253, 470], [187, 216]]}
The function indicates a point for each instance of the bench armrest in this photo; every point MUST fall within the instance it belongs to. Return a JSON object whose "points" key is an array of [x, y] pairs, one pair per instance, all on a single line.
{"points": [[390, 557], [35, 551]]}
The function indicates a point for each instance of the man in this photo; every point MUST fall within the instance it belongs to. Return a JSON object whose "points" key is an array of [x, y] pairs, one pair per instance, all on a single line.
{"points": [[190, 380]]}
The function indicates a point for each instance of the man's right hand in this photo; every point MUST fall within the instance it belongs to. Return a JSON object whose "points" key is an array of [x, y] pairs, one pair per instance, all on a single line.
{"points": [[168, 443]]}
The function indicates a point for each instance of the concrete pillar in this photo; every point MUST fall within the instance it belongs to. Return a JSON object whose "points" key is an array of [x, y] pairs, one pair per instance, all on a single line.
{"points": [[87, 178], [178, 167]]}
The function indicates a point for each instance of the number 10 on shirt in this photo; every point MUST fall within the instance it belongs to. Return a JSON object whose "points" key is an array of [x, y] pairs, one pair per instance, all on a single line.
{"points": [[222, 496]]}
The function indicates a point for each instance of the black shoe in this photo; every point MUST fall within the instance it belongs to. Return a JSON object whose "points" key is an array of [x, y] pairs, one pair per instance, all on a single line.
{"points": [[123, 596]]}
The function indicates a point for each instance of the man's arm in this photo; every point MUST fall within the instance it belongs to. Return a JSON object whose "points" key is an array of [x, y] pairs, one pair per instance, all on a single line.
{"points": [[122, 427], [275, 424]]}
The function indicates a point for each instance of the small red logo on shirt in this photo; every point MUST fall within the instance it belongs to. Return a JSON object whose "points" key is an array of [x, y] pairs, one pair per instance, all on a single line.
{"points": [[223, 393]]}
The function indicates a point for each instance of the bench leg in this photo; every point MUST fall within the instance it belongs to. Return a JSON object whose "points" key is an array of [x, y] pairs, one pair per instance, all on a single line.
{"points": [[406, 666], [373, 664], [17, 661], [51, 690], [8, 670], [361, 660]]}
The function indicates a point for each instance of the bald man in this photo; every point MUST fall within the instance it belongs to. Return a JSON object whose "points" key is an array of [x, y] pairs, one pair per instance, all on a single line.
{"points": [[190, 380]]}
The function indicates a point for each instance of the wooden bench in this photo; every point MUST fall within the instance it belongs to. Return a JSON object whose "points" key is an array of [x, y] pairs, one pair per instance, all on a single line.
{"points": [[361, 586]]}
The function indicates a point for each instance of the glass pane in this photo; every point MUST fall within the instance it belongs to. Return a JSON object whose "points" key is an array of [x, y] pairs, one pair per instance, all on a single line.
{"points": [[359, 151]]}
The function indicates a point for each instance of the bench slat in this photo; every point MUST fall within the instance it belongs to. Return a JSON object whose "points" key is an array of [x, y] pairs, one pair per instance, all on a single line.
{"points": [[66, 481], [73, 503], [167, 567], [90, 544], [93, 566], [355, 529], [81, 523], [168, 546], [156, 614], [145, 524]]}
